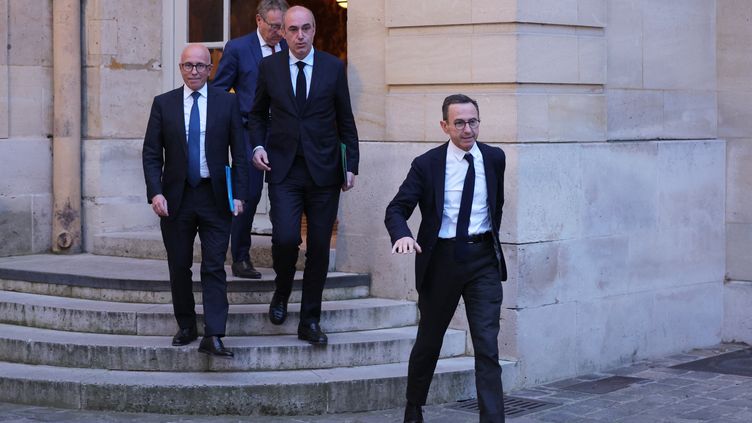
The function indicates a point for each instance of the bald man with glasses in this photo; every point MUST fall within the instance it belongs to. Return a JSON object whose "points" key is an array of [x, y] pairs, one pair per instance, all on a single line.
{"points": [[190, 132]]}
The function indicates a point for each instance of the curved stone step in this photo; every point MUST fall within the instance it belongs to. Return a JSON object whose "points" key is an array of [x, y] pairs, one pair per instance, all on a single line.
{"points": [[292, 392], [80, 315], [149, 245], [146, 281], [20, 344]]}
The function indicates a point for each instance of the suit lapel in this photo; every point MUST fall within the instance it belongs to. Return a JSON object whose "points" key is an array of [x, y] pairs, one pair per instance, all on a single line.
{"points": [[439, 175], [255, 49], [177, 106], [283, 64], [315, 76], [209, 119], [491, 181]]}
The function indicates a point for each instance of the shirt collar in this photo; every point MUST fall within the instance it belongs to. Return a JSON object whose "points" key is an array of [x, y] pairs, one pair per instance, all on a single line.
{"points": [[187, 91], [262, 42], [459, 154], [308, 60]]}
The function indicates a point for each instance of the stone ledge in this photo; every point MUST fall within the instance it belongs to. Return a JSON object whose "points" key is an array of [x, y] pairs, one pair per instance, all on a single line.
{"points": [[27, 345], [249, 393]]}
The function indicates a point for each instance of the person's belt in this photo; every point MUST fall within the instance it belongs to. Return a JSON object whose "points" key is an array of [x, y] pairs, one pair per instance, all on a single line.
{"points": [[473, 239]]}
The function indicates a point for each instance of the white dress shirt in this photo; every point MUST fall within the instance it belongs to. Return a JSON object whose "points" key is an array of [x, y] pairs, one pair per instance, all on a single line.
{"points": [[308, 71], [187, 105], [266, 49], [454, 181]]}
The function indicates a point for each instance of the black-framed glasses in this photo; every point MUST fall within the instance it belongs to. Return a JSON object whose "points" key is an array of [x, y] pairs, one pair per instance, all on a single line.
{"points": [[188, 67], [274, 27], [460, 124]]}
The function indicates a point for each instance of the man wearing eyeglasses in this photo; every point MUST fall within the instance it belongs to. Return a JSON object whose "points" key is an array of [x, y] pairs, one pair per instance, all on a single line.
{"points": [[238, 70], [305, 91], [459, 187], [190, 131]]}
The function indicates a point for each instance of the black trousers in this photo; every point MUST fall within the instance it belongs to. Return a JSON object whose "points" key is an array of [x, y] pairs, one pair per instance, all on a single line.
{"points": [[242, 224], [200, 214], [296, 195], [479, 283]]}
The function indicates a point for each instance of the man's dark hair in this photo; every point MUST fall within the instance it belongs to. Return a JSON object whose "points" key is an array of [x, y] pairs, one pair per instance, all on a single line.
{"points": [[457, 99], [264, 6]]}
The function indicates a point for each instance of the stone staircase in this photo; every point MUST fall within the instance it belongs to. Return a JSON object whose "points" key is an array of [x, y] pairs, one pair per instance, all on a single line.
{"points": [[94, 332]]}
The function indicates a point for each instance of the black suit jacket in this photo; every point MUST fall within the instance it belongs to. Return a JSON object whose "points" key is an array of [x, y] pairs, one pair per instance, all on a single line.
{"points": [[324, 123], [165, 152], [424, 187]]}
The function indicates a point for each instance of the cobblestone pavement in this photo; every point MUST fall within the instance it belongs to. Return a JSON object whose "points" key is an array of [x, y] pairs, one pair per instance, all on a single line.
{"points": [[663, 394]]}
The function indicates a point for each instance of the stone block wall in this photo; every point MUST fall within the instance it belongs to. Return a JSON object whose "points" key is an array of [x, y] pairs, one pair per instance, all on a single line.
{"points": [[122, 44], [614, 221], [734, 63], [25, 126]]}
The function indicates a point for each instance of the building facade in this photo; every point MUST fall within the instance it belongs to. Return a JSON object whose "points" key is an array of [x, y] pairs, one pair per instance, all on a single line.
{"points": [[627, 127]]}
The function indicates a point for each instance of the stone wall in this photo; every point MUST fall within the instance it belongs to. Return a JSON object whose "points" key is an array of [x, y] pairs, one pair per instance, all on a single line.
{"points": [[122, 44], [25, 126], [735, 125], [613, 225]]}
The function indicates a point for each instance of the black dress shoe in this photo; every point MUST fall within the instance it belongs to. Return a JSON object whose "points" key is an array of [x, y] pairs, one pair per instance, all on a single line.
{"points": [[184, 336], [413, 413], [245, 269], [277, 310], [313, 334], [212, 345]]}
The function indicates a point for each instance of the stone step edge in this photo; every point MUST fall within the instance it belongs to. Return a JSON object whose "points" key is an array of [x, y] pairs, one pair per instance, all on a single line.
{"points": [[155, 353], [83, 305], [294, 392], [149, 245], [96, 316], [334, 280], [165, 297], [41, 336]]}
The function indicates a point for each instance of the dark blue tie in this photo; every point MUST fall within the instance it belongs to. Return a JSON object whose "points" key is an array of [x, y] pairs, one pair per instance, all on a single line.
{"points": [[300, 87], [194, 143], [466, 206]]}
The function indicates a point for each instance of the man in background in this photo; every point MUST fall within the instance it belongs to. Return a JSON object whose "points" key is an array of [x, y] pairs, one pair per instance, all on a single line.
{"points": [[238, 70]]}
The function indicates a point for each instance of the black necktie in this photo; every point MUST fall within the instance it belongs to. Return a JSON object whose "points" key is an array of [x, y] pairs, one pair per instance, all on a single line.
{"points": [[194, 143], [300, 87], [466, 206]]}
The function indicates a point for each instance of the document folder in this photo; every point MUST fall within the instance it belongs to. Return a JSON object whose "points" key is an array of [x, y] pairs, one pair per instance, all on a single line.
{"points": [[228, 177]]}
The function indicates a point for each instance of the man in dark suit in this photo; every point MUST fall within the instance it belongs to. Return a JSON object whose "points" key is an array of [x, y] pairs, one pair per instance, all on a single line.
{"points": [[238, 70], [305, 92], [459, 187], [185, 152]]}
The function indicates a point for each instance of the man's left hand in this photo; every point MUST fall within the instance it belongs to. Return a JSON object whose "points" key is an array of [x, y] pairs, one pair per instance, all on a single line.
{"points": [[349, 182]]}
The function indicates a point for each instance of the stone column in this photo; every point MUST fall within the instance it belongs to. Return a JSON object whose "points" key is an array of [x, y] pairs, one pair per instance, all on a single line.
{"points": [[66, 145]]}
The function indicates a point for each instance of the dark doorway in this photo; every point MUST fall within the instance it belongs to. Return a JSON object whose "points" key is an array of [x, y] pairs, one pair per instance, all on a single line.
{"points": [[331, 23]]}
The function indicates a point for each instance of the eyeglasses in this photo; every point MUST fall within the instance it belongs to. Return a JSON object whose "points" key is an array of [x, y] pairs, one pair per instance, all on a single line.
{"points": [[200, 67], [460, 124], [306, 29], [274, 27]]}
